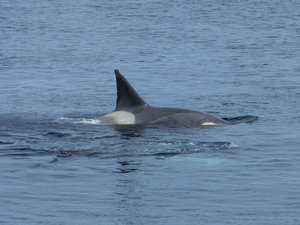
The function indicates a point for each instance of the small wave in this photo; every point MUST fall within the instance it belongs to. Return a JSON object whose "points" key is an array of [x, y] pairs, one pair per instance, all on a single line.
{"points": [[183, 148], [220, 145], [217, 144], [56, 134], [241, 119], [78, 121], [5, 143]]}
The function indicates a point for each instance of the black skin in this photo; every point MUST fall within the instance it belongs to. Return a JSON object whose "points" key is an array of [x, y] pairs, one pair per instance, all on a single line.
{"points": [[129, 100]]}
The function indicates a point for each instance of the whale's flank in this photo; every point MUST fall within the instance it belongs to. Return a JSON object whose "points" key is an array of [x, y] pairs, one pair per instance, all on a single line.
{"points": [[132, 109]]}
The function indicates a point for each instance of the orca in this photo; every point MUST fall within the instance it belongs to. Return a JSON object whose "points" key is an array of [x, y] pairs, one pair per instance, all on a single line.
{"points": [[131, 109]]}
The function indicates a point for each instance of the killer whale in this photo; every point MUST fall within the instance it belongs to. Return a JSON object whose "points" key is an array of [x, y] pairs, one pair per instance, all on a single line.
{"points": [[132, 109]]}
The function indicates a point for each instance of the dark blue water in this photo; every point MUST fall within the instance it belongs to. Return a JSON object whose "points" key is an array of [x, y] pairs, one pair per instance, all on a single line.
{"points": [[58, 165]]}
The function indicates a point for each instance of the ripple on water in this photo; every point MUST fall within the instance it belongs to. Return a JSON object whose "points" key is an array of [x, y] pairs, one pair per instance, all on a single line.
{"points": [[56, 134]]}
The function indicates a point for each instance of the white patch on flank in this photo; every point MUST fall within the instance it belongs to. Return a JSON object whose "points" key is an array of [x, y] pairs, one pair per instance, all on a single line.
{"points": [[118, 117], [208, 124]]}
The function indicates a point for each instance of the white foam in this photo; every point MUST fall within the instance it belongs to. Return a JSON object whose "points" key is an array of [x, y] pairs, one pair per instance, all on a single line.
{"points": [[78, 121], [232, 145], [89, 121]]}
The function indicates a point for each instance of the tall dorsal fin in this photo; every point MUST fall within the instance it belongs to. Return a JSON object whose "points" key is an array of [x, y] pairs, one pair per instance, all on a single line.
{"points": [[127, 96]]}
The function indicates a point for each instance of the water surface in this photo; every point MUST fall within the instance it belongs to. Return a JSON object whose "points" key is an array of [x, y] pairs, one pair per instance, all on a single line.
{"points": [[58, 165]]}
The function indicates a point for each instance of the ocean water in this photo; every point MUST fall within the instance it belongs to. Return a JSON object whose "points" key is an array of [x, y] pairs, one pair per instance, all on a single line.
{"points": [[232, 59]]}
